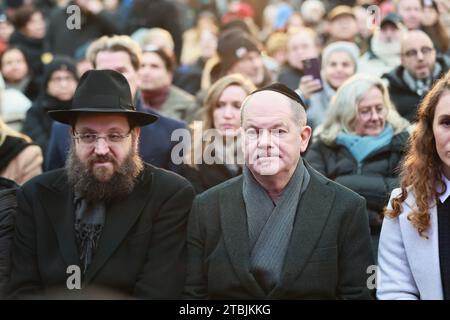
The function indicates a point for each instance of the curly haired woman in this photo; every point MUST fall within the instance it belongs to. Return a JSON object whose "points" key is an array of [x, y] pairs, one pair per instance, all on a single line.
{"points": [[414, 248]]}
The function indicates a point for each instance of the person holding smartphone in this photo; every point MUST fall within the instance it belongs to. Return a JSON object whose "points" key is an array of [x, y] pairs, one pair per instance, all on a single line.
{"points": [[302, 44], [339, 62]]}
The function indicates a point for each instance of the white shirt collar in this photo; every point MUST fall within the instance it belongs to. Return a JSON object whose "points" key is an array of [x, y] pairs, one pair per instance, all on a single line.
{"points": [[447, 193]]}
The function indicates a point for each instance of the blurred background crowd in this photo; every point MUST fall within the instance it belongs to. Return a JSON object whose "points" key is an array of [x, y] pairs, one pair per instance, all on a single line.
{"points": [[361, 66]]}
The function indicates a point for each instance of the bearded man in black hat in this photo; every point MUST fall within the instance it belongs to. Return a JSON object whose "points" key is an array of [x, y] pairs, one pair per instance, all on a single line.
{"points": [[281, 230], [108, 225]]}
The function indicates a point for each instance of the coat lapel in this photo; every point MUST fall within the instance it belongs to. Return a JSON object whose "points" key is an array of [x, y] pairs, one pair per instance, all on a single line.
{"points": [[423, 253], [58, 203], [235, 233], [312, 214], [120, 218]]}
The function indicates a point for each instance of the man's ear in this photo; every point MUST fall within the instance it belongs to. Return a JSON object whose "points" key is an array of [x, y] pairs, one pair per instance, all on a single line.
{"points": [[305, 136], [137, 131]]}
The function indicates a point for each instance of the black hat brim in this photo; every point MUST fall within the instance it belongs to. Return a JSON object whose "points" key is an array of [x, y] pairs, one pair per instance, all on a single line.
{"points": [[138, 118]]}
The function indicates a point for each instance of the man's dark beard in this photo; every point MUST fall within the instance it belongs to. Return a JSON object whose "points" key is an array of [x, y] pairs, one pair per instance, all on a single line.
{"points": [[87, 186]]}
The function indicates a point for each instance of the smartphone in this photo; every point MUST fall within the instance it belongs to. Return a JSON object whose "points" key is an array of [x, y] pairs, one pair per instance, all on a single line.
{"points": [[312, 67]]}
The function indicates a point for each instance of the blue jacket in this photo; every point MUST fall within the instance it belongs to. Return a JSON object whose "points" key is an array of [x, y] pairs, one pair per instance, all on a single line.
{"points": [[155, 145]]}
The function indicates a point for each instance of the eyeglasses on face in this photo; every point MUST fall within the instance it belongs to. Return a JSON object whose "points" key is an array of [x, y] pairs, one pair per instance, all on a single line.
{"points": [[91, 138], [413, 53]]}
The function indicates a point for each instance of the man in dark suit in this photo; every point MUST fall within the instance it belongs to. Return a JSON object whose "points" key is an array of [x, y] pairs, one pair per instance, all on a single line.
{"points": [[281, 230], [108, 225], [122, 54]]}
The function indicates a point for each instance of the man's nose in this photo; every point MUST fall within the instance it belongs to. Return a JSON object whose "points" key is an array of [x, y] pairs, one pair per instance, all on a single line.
{"points": [[420, 55], [264, 138], [101, 147]]}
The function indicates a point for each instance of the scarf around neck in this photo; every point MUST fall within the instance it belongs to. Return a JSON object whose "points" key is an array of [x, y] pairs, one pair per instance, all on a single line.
{"points": [[155, 98], [421, 86], [362, 146], [270, 224], [89, 222]]}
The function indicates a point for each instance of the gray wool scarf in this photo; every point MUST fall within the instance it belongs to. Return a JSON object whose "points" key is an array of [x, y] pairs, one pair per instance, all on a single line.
{"points": [[270, 224]]}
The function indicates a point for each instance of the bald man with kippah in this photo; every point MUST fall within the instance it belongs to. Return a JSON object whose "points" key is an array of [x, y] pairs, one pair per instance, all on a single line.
{"points": [[280, 230]]}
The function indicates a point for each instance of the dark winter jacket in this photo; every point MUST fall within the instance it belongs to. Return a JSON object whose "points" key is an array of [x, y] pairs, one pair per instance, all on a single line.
{"points": [[290, 77], [374, 178], [156, 14], [59, 40], [142, 249], [33, 49], [8, 205], [206, 176], [405, 100], [38, 124]]}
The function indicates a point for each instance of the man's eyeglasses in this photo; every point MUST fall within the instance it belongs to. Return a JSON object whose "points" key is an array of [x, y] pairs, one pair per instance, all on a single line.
{"points": [[413, 53], [91, 138]]}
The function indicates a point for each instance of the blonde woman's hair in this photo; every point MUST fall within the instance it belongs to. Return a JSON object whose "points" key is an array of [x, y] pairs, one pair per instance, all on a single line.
{"points": [[344, 108], [210, 104], [216, 90], [6, 131]]}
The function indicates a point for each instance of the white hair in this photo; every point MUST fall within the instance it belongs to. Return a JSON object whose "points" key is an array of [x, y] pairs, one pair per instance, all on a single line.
{"points": [[344, 107]]}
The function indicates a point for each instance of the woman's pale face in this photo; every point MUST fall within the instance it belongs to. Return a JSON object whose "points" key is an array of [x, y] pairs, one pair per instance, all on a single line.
{"points": [[339, 68], [226, 115], [14, 66], [429, 17], [35, 28], [371, 112], [441, 131]]}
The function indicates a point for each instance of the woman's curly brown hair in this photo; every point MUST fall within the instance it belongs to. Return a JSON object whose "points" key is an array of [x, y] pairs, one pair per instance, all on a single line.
{"points": [[421, 167]]}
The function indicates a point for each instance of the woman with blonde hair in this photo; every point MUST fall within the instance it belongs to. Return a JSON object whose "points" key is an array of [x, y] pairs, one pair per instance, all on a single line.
{"points": [[19, 159], [361, 143], [414, 251], [215, 147]]}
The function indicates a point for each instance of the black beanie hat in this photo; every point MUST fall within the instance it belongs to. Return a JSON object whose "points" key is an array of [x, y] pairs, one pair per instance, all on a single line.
{"points": [[59, 63], [234, 45]]}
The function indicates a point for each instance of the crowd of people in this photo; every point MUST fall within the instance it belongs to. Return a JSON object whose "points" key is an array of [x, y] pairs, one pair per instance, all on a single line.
{"points": [[225, 149]]}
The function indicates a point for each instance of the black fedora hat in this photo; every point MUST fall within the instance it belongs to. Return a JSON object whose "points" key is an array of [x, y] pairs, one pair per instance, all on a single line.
{"points": [[103, 91]]}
